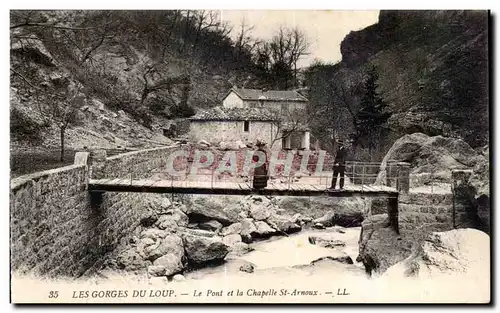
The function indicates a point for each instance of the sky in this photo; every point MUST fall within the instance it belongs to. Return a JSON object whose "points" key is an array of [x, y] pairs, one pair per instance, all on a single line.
{"points": [[325, 29]]}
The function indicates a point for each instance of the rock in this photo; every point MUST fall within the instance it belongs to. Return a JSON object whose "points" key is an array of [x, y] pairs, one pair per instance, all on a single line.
{"points": [[147, 241], [455, 252], [167, 222], [205, 209], [178, 277], [380, 247], [316, 207], [231, 239], [171, 245], [318, 226], [343, 259], [149, 219], [202, 250], [247, 230], [436, 155], [153, 233], [240, 248], [345, 219], [235, 211], [290, 228], [212, 225], [283, 223], [231, 229], [326, 241], [297, 218], [35, 48], [200, 232], [98, 104], [166, 265], [263, 230], [131, 260], [259, 213], [180, 217], [174, 215], [56, 78], [247, 267], [192, 225]]}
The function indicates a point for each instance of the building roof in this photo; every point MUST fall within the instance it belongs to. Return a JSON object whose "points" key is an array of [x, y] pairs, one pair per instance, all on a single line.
{"points": [[235, 114], [268, 95]]}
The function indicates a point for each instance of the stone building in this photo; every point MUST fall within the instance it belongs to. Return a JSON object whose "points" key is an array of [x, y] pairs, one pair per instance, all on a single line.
{"points": [[247, 115]]}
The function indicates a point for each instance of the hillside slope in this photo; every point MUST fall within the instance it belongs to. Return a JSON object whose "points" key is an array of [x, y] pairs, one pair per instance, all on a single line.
{"points": [[135, 72]]}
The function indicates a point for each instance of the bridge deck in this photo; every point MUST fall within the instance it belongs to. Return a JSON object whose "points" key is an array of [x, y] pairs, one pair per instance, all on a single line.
{"points": [[233, 188]]}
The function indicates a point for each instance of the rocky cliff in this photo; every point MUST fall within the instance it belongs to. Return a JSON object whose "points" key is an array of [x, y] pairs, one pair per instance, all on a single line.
{"points": [[433, 70]]}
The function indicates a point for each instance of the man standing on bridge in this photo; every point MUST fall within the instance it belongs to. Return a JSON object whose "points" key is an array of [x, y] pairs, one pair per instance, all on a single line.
{"points": [[339, 165], [261, 172]]}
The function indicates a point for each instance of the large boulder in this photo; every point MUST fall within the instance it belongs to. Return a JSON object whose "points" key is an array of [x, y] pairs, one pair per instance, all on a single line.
{"points": [[171, 244], [430, 158], [455, 252], [206, 209], [259, 212], [230, 240], [238, 249], [232, 229], [326, 241], [211, 225], [166, 265], [236, 211], [263, 230], [283, 223], [345, 219], [346, 211], [34, 48], [203, 250], [131, 260], [153, 233], [248, 230], [379, 246], [167, 222]]}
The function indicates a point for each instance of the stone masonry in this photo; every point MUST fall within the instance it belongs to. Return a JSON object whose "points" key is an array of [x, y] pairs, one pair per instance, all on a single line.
{"points": [[57, 230]]}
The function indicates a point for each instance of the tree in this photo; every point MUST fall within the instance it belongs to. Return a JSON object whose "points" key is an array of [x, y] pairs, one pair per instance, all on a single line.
{"points": [[278, 58], [372, 115], [58, 104], [286, 123], [334, 94]]}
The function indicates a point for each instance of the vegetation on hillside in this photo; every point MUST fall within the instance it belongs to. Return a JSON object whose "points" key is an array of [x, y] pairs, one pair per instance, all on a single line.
{"points": [[152, 65], [431, 72]]}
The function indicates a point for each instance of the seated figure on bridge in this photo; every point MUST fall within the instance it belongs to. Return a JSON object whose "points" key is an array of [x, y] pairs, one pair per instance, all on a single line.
{"points": [[261, 174], [339, 165]]}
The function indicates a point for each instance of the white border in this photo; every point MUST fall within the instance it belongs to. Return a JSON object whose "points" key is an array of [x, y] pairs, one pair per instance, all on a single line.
{"points": [[188, 4]]}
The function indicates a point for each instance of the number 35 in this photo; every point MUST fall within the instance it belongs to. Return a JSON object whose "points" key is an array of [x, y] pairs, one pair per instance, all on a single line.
{"points": [[53, 294]]}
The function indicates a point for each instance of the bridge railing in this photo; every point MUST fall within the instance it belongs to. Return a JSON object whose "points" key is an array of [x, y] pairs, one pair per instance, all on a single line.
{"points": [[355, 174]]}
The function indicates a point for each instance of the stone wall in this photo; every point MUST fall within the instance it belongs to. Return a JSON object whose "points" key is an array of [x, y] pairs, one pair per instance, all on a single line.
{"points": [[232, 131], [59, 229], [51, 222], [425, 212]]}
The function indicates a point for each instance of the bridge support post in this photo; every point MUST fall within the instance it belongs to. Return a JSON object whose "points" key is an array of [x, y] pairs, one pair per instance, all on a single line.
{"points": [[403, 181], [98, 158], [394, 213]]}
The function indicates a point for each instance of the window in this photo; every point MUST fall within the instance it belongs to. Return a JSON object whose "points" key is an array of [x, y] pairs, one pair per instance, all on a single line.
{"points": [[246, 126]]}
